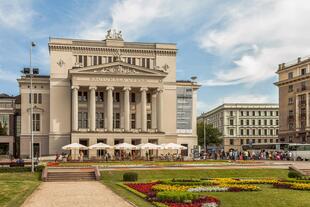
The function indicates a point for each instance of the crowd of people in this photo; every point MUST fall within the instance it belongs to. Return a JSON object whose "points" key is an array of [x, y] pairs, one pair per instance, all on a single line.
{"points": [[247, 155]]}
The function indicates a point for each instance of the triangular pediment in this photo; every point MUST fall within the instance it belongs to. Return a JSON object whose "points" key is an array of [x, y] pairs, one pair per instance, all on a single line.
{"points": [[118, 68]]}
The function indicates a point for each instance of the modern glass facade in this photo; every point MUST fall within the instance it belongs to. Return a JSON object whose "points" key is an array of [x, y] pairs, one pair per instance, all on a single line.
{"points": [[184, 109]]}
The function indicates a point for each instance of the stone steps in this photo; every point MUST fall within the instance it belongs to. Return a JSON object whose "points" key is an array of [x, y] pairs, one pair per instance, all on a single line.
{"points": [[70, 174]]}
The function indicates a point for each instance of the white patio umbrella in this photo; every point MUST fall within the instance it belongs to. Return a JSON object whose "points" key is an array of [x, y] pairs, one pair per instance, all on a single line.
{"points": [[75, 147], [173, 146], [124, 146], [148, 146], [99, 146]]}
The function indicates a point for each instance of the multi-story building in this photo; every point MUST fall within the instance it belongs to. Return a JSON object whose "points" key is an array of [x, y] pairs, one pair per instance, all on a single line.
{"points": [[243, 123], [9, 127], [294, 88], [108, 91]]}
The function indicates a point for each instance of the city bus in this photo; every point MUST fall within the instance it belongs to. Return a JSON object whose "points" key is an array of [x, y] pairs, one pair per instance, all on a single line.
{"points": [[300, 151], [266, 147]]}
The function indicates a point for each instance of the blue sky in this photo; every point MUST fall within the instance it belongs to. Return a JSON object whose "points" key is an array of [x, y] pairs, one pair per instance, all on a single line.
{"points": [[233, 47]]}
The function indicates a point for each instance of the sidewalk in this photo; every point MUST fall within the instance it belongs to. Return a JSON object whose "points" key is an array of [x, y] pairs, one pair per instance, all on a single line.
{"points": [[78, 194]]}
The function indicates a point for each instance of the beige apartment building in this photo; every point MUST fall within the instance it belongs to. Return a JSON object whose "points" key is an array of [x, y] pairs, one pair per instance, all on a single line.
{"points": [[243, 123], [294, 88], [108, 91]]}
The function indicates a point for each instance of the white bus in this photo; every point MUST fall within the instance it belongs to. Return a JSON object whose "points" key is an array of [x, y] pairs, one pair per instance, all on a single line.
{"points": [[300, 151], [257, 147]]}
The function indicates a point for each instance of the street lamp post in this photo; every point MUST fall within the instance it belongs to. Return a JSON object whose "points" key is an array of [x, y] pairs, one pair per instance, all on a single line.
{"points": [[31, 72]]}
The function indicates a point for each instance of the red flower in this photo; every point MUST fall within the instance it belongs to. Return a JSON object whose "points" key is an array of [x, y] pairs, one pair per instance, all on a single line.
{"points": [[145, 188]]}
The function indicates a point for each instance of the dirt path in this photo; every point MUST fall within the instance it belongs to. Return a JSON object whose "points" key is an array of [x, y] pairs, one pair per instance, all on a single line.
{"points": [[77, 194]]}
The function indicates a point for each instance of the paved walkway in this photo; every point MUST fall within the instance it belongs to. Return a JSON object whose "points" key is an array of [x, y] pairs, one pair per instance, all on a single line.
{"points": [[77, 194]]}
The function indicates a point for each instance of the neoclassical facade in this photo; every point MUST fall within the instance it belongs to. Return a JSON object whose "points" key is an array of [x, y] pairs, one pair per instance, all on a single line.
{"points": [[244, 123], [294, 87], [108, 91]]}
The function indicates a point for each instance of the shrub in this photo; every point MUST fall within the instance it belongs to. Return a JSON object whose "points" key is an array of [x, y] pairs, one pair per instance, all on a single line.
{"points": [[170, 196], [293, 174], [130, 176], [20, 169]]}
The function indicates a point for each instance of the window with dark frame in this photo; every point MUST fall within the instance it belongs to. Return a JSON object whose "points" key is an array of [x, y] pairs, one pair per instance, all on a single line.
{"points": [[133, 121]]}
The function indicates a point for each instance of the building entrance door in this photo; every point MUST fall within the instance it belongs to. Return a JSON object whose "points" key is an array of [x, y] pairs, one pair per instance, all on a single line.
{"points": [[36, 150], [85, 143]]}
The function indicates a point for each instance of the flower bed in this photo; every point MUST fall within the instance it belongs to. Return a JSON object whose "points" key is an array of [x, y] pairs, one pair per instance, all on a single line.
{"points": [[292, 185]]}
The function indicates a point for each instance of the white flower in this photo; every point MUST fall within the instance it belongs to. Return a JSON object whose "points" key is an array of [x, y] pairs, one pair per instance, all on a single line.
{"points": [[208, 189]]}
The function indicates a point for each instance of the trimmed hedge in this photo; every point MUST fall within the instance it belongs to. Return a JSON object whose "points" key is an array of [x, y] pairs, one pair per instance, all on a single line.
{"points": [[133, 190], [171, 196], [20, 169], [130, 176], [294, 174]]}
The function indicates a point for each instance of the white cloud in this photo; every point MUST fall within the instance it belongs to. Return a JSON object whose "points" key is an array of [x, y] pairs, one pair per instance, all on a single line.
{"points": [[258, 36], [138, 17], [15, 14]]}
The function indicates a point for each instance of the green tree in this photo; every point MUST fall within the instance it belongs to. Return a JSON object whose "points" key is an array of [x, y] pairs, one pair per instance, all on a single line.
{"points": [[213, 135]]}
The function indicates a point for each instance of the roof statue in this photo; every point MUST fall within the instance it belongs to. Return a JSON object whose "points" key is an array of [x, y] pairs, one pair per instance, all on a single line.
{"points": [[114, 35]]}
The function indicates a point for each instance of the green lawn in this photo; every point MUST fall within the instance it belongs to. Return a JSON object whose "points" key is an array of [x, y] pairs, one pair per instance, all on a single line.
{"points": [[16, 187], [157, 163], [267, 197]]}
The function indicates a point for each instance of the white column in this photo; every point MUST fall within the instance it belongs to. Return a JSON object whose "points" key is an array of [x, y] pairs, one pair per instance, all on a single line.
{"points": [[297, 113], [307, 111], [154, 115], [110, 108], [92, 108], [126, 109], [159, 110], [75, 108], [143, 110]]}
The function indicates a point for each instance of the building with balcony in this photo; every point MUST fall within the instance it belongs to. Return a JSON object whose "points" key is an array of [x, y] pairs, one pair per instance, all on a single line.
{"points": [[294, 88], [244, 123], [108, 91]]}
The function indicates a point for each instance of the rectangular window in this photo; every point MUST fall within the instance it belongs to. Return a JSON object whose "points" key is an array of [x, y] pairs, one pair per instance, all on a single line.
{"points": [[99, 96], [85, 61], [109, 59], [241, 141], [253, 132], [303, 71], [277, 113], [253, 113], [80, 59], [95, 60], [133, 61], [248, 113], [265, 140], [148, 98], [36, 122], [247, 122], [259, 132], [40, 98], [83, 120], [231, 132], [290, 101], [99, 60], [259, 141], [231, 113], [259, 122], [129, 60], [247, 141], [241, 132], [248, 132], [29, 98], [241, 113], [133, 97], [253, 122], [231, 141], [99, 120], [271, 132], [241, 122], [271, 122], [271, 140], [290, 88], [35, 98], [259, 113], [133, 121], [149, 121], [303, 86], [143, 62], [265, 132], [148, 65], [290, 75], [231, 122], [116, 97], [271, 113], [116, 120], [265, 122]]}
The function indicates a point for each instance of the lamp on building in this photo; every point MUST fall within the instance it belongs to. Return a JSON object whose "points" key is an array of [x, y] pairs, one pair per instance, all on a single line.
{"points": [[31, 72]]}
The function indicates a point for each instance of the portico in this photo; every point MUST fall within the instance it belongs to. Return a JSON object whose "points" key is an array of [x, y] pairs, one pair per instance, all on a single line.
{"points": [[124, 103]]}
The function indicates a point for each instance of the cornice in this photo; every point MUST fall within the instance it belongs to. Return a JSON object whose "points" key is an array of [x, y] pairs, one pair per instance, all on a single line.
{"points": [[112, 50]]}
